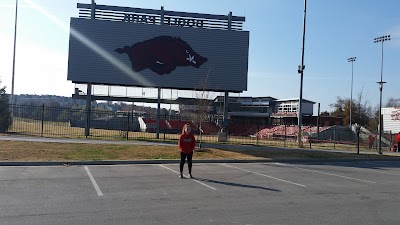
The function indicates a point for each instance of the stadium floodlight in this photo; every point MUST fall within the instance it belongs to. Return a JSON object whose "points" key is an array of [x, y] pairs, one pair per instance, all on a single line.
{"points": [[381, 39], [352, 60]]}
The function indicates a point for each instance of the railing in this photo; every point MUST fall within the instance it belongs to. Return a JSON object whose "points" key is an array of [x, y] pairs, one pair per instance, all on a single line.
{"points": [[49, 121], [170, 18]]}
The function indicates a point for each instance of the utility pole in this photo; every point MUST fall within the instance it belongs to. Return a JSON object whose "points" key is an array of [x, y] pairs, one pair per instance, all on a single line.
{"points": [[301, 72], [15, 44]]}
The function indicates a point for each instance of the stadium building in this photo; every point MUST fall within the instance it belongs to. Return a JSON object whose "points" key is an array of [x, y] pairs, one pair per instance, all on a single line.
{"points": [[264, 110]]}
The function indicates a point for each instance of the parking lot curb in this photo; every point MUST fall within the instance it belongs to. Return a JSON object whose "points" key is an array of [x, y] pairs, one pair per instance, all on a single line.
{"points": [[174, 161]]}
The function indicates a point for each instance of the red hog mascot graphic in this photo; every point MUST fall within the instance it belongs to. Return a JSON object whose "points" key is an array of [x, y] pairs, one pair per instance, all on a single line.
{"points": [[162, 55]]}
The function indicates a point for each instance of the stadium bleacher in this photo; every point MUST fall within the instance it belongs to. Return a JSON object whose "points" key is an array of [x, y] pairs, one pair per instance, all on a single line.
{"points": [[289, 131], [238, 129]]}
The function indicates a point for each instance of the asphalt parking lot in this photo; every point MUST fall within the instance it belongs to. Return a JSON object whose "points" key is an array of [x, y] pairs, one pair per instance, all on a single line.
{"points": [[236, 193]]}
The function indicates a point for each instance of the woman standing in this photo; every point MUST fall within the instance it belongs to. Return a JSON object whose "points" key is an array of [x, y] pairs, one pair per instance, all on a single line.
{"points": [[186, 145]]}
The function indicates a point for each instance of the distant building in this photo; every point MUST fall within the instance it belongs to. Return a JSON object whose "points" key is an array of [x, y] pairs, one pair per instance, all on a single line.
{"points": [[391, 119], [189, 107], [261, 110], [291, 106]]}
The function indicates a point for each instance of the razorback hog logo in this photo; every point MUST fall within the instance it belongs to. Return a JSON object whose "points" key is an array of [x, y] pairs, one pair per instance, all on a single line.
{"points": [[162, 55]]}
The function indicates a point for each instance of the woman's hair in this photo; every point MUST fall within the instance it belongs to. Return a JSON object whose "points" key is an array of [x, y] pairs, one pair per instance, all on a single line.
{"points": [[184, 126]]}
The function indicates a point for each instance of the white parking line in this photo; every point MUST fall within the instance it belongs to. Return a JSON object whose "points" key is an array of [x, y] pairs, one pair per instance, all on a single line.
{"points": [[190, 179], [264, 175], [93, 182], [370, 170], [330, 174]]}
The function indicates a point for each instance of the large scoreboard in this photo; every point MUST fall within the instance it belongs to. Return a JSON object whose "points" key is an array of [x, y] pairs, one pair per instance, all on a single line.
{"points": [[158, 48]]}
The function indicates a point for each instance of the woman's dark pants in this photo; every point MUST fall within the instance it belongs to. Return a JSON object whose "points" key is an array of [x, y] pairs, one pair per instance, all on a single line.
{"points": [[189, 161]]}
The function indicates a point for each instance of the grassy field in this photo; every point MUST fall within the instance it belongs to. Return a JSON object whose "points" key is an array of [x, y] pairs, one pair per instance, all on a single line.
{"points": [[36, 151]]}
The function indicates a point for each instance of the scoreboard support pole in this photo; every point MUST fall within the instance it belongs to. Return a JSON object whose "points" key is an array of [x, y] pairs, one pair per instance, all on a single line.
{"points": [[226, 109], [158, 114], [88, 108]]}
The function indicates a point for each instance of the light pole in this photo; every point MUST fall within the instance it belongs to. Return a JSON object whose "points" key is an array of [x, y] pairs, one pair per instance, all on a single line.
{"points": [[352, 60], [15, 43], [376, 40], [300, 70]]}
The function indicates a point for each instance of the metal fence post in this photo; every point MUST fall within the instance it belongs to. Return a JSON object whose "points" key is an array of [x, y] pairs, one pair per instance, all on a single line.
{"points": [[309, 136], [88, 108], [334, 137], [258, 132], [318, 120], [284, 138], [42, 120], [132, 119], [165, 119], [358, 141], [127, 128]]}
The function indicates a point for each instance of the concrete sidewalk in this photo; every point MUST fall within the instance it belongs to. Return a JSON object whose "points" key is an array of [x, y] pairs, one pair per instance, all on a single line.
{"points": [[206, 145], [77, 140]]}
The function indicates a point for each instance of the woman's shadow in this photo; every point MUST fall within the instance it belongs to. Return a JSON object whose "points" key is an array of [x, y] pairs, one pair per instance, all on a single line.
{"points": [[235, 184]]}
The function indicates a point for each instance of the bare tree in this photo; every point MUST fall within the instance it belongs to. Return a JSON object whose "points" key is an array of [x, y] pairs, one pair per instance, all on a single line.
{"points": [[393, 102], [364, 109], [374, 118], [361, 109], [203, 105], [338, 107], [325, 113]]}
